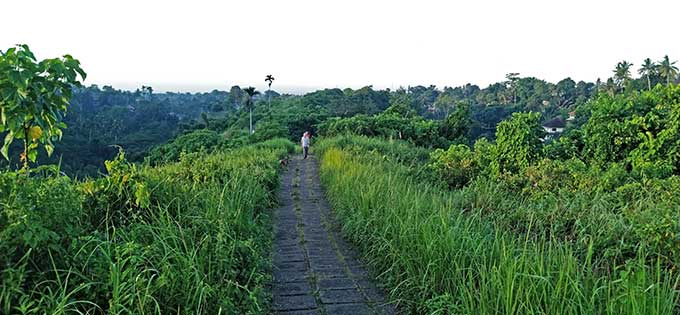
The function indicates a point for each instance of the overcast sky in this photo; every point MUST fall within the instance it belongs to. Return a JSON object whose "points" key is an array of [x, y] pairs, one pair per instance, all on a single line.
{"points": [[203, 45]]}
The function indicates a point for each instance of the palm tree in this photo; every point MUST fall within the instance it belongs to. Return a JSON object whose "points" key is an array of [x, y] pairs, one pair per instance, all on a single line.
{"points": [[250, 92], [622, 73], [269, 79], [668, 70], [647, 69], [610, 87]]}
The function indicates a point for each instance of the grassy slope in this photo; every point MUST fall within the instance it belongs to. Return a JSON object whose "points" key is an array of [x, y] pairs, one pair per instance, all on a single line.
{"points": [[189, 237], [438, 258]]}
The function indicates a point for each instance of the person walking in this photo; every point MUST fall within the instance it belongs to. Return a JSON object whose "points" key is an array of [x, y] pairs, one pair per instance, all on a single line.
{"points": [[305, 143]]}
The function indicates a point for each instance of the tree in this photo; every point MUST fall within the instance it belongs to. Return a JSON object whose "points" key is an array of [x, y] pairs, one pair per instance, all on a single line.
{"points": [[400, 105], [444, 103], [205, 119], [518, 143], [34, 97], [269, 79], [512, 84], [565, 91], [250, 93], [647, 69], [622, 73], [456, 127], [235, 96], [610, 87], [668, 70]]}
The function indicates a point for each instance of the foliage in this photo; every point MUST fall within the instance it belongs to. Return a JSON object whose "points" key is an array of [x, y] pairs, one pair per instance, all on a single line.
{"points": [[492, 246], [33, 99], [518, 143], [456, 126], [455, 166], [397, 122], [199, 140], [640, 130], [189, 236], [269, 130], [563, 148]]}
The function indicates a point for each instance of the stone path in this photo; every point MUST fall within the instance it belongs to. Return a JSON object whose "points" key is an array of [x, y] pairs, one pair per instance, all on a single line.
{"points": [[315, 270]]}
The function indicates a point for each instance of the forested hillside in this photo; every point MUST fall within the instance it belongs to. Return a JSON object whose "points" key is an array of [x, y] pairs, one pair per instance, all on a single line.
{"points": [[102, 119], [525, 197]]}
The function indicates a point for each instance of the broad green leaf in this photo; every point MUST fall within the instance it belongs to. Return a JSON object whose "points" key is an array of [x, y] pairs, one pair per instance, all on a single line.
{"points": [[142, 195], [32, 155], [50, 149], [5, 148]]}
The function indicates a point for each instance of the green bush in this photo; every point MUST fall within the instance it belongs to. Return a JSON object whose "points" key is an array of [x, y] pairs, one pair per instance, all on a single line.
{"points": [[638, 129], [190, 236], [194, 141], [518, 143], [38, 216], [394, 123], [455, 166], [268, 130]]}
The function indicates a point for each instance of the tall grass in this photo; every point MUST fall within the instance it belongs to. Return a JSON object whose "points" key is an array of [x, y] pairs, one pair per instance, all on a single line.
{"points": [[188, 237], [438, 258]]}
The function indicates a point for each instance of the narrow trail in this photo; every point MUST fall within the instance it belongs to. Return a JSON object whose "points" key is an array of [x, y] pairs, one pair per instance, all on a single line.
{"points": [[315, 270]]}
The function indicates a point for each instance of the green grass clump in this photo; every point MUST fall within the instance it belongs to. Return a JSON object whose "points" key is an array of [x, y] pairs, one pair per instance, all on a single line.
{"points": [[186, 237], [437, 257]]}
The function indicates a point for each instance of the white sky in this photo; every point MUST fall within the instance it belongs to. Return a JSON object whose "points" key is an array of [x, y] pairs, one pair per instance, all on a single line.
{"points": [[307, 44]]}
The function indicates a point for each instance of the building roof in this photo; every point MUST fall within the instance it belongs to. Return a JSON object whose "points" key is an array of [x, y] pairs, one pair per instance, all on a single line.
{"points": [[556, 122]]}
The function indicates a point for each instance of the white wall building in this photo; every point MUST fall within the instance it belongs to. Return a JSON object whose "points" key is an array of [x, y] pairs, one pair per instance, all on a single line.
{"points": [[555, 125]]}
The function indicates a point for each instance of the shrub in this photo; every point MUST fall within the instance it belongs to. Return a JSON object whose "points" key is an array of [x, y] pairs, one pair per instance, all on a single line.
{"points": [[268, 130], [456, 166], [518, 143], [194, 141]]}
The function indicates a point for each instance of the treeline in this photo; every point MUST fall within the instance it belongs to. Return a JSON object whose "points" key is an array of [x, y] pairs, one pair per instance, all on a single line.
{"points": [[102, 119], [426, 115]]}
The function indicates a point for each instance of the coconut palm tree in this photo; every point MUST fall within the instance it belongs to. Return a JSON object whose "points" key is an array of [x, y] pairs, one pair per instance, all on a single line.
{"points": [[668, 70], [610, 87], [622, 73], [647, 69], [250, 93], [269, 79]]}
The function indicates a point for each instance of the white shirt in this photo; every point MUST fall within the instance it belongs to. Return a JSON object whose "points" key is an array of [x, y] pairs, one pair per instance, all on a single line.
{"points": [[305, 142]]}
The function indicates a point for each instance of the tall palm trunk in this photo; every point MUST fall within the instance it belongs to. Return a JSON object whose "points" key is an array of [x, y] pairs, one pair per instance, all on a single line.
{"points": [[649, 83], [251, 121]]}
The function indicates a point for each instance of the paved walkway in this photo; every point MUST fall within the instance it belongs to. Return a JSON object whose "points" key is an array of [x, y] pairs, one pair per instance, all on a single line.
{"points": [[315, 270]]}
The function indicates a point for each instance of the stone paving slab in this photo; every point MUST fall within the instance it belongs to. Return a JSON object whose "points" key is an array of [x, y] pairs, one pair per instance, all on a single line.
{"points": [[315, 270], [337, 283], [349, 309], [307, 312], [341, 296], [295, 303], [292, 288]]}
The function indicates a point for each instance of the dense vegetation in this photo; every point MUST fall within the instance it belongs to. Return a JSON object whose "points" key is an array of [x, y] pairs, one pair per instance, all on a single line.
{"points": [[459, 253], [101, 119], [185, 237], [586, 223], [457, 198]]}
